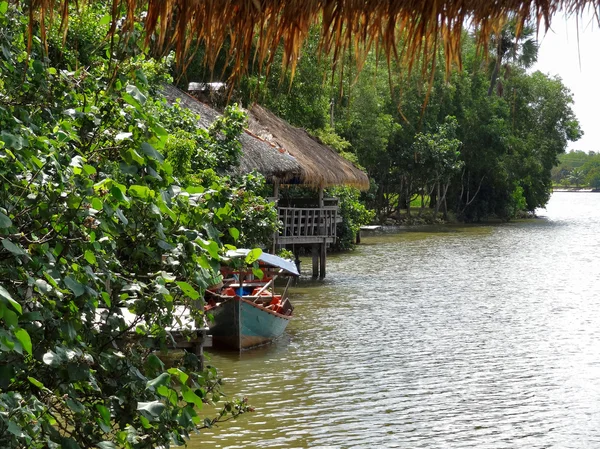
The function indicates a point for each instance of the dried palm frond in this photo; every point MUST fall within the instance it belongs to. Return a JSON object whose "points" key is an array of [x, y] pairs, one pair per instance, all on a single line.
{"points": [[408, 30]]}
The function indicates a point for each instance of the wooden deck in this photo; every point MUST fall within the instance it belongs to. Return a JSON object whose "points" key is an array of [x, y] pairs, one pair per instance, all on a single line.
{"points": [[307, 225]]}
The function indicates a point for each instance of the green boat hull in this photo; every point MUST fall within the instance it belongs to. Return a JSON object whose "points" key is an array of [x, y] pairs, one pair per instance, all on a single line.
{"points": [[240, 324]]}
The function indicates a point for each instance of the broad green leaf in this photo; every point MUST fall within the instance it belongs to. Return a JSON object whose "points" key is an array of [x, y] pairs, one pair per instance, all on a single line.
{"points": [[35, 382], [145, 423], [188, 290], [142, 192], [163, 379], [51, 280], [104, 412], [38, 66], [234, 233], [75, 405], [122, 217], [77, 288], [106, 299], [191, 397], [15, 429], [3, 7], [150, 151], [105, 20], [89, 170], [212, 247], [23, 336], [133, 156], [10, 318], [154, 408], [10, 246], [5, 222], [90, 257], [166, 246], [5, 295], [258, 273], [253, 256], [119, 194], [11, 140], [136, 94], [97, 203], [183, 377]]}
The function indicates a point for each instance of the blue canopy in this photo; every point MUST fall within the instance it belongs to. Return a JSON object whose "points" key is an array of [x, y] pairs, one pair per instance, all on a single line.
{"points": [[268, 259]]}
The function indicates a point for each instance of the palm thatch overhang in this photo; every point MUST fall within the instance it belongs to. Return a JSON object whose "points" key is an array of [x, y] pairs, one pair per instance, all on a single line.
{"points": [[251, 30], [257, 155], [321, 166]]}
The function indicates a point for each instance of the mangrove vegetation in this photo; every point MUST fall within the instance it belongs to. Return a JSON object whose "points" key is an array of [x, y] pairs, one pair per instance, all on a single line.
{"points": [[116, 208]]}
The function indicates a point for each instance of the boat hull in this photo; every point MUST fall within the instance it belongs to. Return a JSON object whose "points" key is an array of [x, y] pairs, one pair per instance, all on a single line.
{"points": [[239, 324]]}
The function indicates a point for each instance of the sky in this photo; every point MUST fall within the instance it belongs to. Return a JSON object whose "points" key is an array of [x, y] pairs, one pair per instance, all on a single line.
{"points": [[578, 64]]}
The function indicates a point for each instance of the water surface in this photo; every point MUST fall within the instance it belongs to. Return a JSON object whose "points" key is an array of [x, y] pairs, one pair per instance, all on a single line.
{"points": [[460, 337]]}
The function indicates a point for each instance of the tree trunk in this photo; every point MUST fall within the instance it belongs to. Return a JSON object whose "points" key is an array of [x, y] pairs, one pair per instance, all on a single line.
{"points": [[432, 197], [438, 201], [422, 201], [497, 65], [445, 204]]}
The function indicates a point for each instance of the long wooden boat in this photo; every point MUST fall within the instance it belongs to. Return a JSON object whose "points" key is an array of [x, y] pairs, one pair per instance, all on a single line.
{"points": [[247, 312]]}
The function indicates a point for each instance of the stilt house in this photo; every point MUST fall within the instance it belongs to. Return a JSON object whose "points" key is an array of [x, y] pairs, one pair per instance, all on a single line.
{"points": [[287, 155]]}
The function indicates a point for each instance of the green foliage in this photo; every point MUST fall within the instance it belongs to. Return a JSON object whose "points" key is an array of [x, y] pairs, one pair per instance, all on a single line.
{"points": [[286, 254], [103, 242], [190, 148], [306, 103], [497, 142], [578, 169], [354, 215]]}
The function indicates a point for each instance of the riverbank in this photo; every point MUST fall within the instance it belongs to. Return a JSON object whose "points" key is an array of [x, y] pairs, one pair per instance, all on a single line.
{"points": [[575, 190], [403, 220]]}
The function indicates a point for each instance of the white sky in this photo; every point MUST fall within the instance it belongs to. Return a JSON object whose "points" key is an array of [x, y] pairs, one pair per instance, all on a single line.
{"points": [[560, 54]]}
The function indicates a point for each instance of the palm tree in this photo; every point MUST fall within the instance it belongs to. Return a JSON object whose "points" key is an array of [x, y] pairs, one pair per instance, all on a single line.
{"points": [[576, 176], [512, 49]]}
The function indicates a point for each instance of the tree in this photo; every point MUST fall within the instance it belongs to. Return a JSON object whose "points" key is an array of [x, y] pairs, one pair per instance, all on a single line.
{"points": [[442, 159], [576, 177], [95, 227], [511, 49]]}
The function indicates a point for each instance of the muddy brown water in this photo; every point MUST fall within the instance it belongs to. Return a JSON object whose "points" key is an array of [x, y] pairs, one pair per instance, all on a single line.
{"points": [[458, 337]]}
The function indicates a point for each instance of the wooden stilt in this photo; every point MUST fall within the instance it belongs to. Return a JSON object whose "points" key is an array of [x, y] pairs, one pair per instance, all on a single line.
{"points": [[315, 260], [323, 260]]}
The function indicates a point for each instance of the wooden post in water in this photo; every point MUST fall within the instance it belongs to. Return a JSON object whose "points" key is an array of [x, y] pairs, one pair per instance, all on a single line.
{"points": [[323, 259], [323, 232], [315, 260]]}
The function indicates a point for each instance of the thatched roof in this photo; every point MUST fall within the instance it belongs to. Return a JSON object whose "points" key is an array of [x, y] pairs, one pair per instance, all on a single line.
{"points": [[257, 155], [321, 166], [400, 28], [276, 149]]}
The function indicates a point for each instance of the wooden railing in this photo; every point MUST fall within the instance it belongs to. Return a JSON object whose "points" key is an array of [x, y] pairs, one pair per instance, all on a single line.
{"points": [[306, 225]]}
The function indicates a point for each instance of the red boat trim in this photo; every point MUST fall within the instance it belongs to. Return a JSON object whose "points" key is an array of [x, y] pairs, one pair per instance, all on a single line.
{"points": [[287, 317]]}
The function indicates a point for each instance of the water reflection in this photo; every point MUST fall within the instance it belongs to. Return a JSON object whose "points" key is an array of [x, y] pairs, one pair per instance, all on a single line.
{"points": [[479, 336]]}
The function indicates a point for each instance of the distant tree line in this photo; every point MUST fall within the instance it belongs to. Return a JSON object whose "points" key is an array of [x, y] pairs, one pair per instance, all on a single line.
{"points": [[474, 143], [577, 169]]}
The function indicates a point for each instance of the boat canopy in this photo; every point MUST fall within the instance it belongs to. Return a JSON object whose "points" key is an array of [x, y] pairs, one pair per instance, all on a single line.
{"points": [[287, 266]]}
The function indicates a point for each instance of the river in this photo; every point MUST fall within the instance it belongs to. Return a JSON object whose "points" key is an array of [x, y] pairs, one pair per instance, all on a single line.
{"points": [[458, 337]]}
